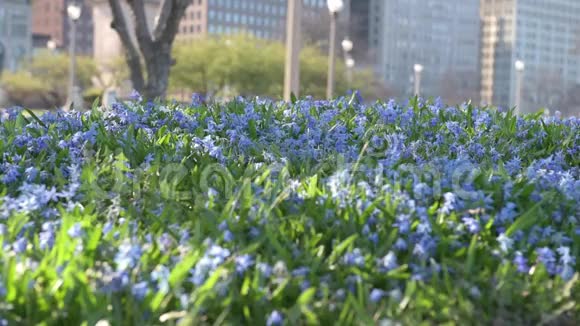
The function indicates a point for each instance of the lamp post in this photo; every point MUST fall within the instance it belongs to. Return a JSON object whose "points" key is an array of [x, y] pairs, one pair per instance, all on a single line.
{"points": [[334, 7], [349, 62], [520, 67], [51, 46], [418, 68], [347, 46], [292, 64], [74, 13]]}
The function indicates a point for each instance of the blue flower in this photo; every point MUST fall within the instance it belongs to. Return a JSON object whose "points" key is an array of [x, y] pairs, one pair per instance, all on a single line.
{"points": [[265, 269], [75, 231], [2, 290], [12, 174], [135, 96], [547, 257], [165, 242], [46, 239], [197, 99], [513, 166], [214, 257], [354, 258], [118, 281], [376, 295], [140, 290], [521, 262], [19, 246], [472, 224], [505, 242], [454, 128], [449, 203], [161, 275], [565, 257], [228, 236], [400, 244], [128, 255], [275, 319], [107, 228], [388, 263], [243, 262], [301, 271], [507, 214]]}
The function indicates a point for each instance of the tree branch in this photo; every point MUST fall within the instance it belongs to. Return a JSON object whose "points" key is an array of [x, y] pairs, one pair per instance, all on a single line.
{"points": [[141, 27], [132, 54], [175, 12], [163, 17]]}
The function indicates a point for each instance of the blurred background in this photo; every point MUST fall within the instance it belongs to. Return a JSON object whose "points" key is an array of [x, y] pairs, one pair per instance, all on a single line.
{"points": [[507, 53]]}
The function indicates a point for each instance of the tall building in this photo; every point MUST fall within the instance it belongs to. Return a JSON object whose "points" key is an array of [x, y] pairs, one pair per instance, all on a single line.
{"points": [[443, 36], [50, 18], [542, 34], [15, 35], [361, 26], [261, 18]]}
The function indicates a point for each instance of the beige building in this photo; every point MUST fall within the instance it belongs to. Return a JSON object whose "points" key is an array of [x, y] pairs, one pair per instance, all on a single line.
{"points": [[542, 34]]}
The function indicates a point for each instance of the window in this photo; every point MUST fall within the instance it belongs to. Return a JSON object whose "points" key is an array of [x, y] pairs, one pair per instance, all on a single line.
{"points": [[2, 14], [19, 27]]}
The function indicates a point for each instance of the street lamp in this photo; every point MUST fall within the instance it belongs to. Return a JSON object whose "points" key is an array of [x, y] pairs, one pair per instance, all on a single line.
{"points": [[347, 45], [292, 64], [520, 67], [334, 7], [418, 68], [349, 63], [51, 45], [74, 13]]}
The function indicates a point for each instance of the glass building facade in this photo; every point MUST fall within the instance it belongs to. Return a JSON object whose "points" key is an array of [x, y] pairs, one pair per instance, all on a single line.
{"points": [[443, 36], [15, 34], [261, 18], [544, 35]]}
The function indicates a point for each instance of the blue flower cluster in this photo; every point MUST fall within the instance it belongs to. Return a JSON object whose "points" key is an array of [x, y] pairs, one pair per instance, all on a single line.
{"points": [[271, 212]]}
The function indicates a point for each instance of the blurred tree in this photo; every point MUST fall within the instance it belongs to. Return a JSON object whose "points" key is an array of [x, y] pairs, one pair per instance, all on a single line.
{"points": [[252, 66], [43, 80], [113, 74], [22, 89], [149, 60]]}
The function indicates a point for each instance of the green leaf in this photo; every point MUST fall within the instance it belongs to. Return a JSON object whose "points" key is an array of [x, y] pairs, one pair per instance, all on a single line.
{"points": [[471, 255], [306, 296], [526, 220], [293, 98], [181, 270], [340, 248]]}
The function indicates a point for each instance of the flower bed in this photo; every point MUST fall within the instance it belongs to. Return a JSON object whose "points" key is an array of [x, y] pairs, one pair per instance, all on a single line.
{"points": [[259, 212]]}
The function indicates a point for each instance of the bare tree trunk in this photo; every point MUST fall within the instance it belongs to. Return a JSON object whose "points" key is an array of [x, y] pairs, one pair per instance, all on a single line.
{"points": [[158, 74], [153, 49]]}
